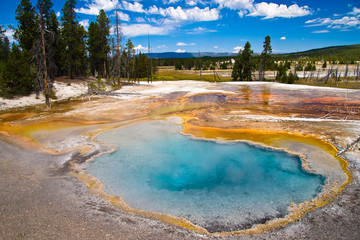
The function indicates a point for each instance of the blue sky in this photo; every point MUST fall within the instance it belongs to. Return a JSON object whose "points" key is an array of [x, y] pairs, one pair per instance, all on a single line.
{"points": [[221, 25]]}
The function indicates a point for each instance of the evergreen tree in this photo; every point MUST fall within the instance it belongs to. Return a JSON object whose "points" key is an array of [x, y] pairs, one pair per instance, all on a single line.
{"points": [[141, 65], [238, 68], [130, 63], [248, 65], [4, 46], [265, 60], [28, 28], [104, 29], [94, 47], [98, 44], [73, 53], [244, 65], [16, 79]]}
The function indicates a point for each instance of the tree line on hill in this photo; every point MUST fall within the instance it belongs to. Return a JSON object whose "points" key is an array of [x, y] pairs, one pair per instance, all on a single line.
{"points": [[247, 66], [46, 48]]}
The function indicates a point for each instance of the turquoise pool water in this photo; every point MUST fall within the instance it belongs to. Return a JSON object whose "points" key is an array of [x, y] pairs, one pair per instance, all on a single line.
{"points": [[219, 186]]}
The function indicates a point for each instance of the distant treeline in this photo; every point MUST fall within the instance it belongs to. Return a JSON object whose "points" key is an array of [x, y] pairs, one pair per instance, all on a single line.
{"points": [[334, 55]]}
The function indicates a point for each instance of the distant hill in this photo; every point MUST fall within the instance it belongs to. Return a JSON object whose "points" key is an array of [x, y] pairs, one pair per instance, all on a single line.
{"points": [[351, 52], [190, 55]]}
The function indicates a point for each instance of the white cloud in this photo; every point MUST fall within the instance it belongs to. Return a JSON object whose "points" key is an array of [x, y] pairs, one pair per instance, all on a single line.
{"points": [[235, 4], [273, 10], [123, 16], [170, 1], [355, 11], [283, 38], [140, 48], [58, 14], [200, 30], [237, 49], [185, 44], [321, 31], [318, 22], [192, 14], [345, 22], [162, 46], [143, 29], [341, 23], [84, 23], [180, 51], [92, 7], [140, 20], [216, 47], [10, 35], [194, 2], [132, 7]]}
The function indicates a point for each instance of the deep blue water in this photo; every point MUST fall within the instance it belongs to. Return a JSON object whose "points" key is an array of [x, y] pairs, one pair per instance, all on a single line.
{"points": [[221, 187]]}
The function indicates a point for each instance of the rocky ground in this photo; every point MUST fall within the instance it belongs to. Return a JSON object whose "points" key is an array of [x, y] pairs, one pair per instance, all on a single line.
{"points": [[40, 202]]}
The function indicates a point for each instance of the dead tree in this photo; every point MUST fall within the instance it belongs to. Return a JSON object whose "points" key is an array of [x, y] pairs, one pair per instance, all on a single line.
{"points": [[40, 57], [350, 147], [118, 40]]}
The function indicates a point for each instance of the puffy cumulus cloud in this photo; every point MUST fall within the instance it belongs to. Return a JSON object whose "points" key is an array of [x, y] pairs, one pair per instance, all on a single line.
{"points": [[273, 10], [132, 7], [92, 7], [140, 48], [355, 11], [84, 23], [123, 16], [58, 14], [340, 23], [192, 14], [180, 51], [283, 38], [194, 2], [235, 4], [142, 29]]}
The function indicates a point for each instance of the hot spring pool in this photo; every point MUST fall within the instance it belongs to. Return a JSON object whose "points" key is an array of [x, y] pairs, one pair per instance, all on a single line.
{"points": [[218, 186]]}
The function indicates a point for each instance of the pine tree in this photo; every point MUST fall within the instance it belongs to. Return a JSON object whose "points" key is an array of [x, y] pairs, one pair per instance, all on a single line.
{"points": [[28, 28], [248, 65], [244, 65], [73, 53], [98, 44], [94, 48], [16, 79], [130, 63], [104, 29], [238, 68], [265, 60], [4, 46]]}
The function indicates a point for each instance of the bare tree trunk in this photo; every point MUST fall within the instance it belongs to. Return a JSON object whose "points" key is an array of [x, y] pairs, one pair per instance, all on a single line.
{"points": [[47, 95], [118, 39]]}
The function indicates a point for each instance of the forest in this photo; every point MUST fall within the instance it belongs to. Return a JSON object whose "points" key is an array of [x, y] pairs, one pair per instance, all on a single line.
{"points": [[46, 48]]}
